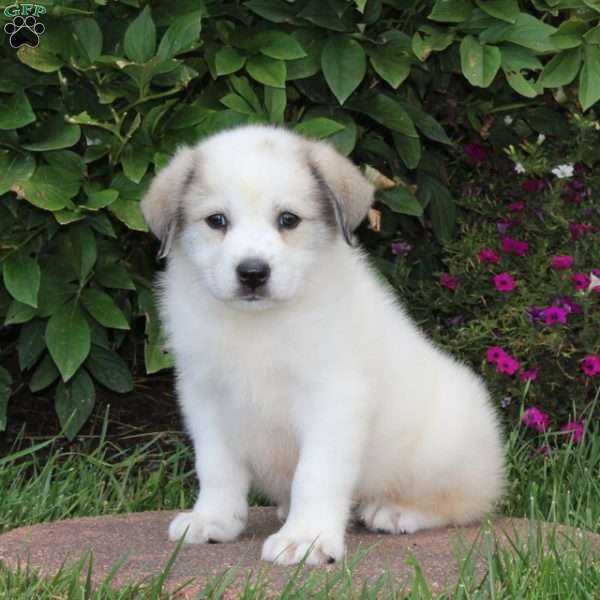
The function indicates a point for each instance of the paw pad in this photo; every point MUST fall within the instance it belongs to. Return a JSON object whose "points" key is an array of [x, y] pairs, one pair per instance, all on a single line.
{"points": [[24, 31]]}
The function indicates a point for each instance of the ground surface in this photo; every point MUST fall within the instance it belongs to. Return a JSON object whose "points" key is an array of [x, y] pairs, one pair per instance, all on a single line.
{"points": [[140, 541]]}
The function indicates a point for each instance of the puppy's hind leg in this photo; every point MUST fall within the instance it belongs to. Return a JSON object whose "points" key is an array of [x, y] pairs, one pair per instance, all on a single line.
{"points": [[388, 517]]}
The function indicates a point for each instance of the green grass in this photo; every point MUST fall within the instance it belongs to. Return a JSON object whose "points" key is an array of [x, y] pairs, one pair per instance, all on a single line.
{"points": [[48, 481]]}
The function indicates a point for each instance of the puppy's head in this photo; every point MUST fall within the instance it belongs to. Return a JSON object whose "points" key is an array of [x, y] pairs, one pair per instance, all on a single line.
{"points": [[253, 208]]}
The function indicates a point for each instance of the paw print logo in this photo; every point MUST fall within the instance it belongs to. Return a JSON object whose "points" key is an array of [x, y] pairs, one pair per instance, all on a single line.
{"points": [[24, 31]]}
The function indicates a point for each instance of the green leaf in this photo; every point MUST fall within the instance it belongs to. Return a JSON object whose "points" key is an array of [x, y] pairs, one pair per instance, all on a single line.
{"points": [[505, 10], [156, 356], [5, 392], [275, 103], [521, 85], [344, 66], [451, 11], [479, 63], [68, 339], [22, 277], [238, 104], [30, 343], [312, 44], [515, 58], [318, 128], [324, 14], [345, 139], [570, 34], [277, 44], [409, 149], [592, 36], [114, 276], [530, 32], [128, 212], [181, 36], [109, 369], [47, 188], [82, 245], [54, 134], [267, 71], [401, 201], [441, 206], [135, 160], [88, 35], [14, 168], [44, 375], [74, 402], [18, 313], [100, 199], [228, 60], [387, 111], [103, 308], [426, 124], [140, 38], [15, 111], [391, 63], [39, 59], [276, 11], [589, 78], [562, 69]]}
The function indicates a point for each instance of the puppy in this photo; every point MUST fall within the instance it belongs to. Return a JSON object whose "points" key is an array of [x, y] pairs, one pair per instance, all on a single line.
{"points": [[297, 369]]}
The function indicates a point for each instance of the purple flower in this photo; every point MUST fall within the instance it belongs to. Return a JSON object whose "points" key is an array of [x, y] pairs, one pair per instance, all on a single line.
{"points": [[534, 418], [581, 281], [578, 230], [487, 255], [532, 185], [536, 313], [503, 226], [511, 245], [448, 281], [529, 375], [562, 262], [590, 365], [505, 402], [568, 305], [401, 248], [457, 320], [476, 153], [504, 282], [516, 206], [494, 353], [508, 365]]}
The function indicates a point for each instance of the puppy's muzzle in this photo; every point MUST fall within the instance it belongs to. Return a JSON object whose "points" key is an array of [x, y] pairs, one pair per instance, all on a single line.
{"points": [[253, 273]]}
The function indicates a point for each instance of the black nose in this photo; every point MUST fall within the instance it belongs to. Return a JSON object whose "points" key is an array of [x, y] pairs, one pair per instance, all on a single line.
{"points": [[253, 273]]}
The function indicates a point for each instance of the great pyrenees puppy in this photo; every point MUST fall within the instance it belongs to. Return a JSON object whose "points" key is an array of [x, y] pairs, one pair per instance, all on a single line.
{"points": [[297, 369]]}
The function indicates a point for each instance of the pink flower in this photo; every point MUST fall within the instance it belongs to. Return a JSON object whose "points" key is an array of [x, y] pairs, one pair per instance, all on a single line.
{"points": [[508, 365], [494, 353], [534, 418], [504, 282], [581, 281], [476, 153], [579, 229], [554, 315], [516, 246], [532, 185], [487, 255], [516, 206], [576, 429], [562, 262], [529, 375], [590, 365], [448, 281], [596, 272]]}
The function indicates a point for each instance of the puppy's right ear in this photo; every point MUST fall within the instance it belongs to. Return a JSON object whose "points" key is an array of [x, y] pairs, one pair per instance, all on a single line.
{"points": [[161, 206]]}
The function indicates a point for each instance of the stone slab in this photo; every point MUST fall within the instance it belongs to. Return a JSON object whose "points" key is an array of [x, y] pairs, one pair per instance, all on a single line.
{"points": [[140, 541]]}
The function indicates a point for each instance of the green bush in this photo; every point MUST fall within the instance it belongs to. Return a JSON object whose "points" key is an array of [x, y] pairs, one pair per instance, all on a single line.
{"points": [[87, 116]]}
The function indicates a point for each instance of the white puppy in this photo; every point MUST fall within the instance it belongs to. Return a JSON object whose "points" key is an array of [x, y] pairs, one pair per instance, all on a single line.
{"points": [[297, 369]]}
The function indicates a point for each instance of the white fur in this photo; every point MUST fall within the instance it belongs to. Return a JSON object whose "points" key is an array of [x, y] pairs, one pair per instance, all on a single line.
{"points": [[325, 395]]}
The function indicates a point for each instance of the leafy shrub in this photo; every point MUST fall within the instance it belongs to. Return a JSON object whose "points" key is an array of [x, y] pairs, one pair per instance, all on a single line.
{"points": [[113, 88], [517, 293]]}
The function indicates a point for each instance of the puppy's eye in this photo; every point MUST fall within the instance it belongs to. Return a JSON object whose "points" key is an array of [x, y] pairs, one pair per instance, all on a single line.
{"points": [[288, 220], [216, 221]]}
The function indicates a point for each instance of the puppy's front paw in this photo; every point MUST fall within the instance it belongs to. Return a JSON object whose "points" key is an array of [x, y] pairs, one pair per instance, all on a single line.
{"points": [[199, 528], [289, 549]]}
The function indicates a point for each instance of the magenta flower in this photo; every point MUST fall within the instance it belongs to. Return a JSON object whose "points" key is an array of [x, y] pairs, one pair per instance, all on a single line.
{"points": [[581, 281], [576, 428], [568, 305], [562, 262], [590, 365], [504, 282], [532, 185], [494, 353], [596, 272], [529, 375], [517, 246], [579, 229], [534, 418], [487, 255], [476, 153], [554, 315], [516, 206], [448, 281], [508, 365]]}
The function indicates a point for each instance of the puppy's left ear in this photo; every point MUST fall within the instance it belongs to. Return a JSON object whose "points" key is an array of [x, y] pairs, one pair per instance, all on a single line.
{"points": [[161, 206], [349, 190]]}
